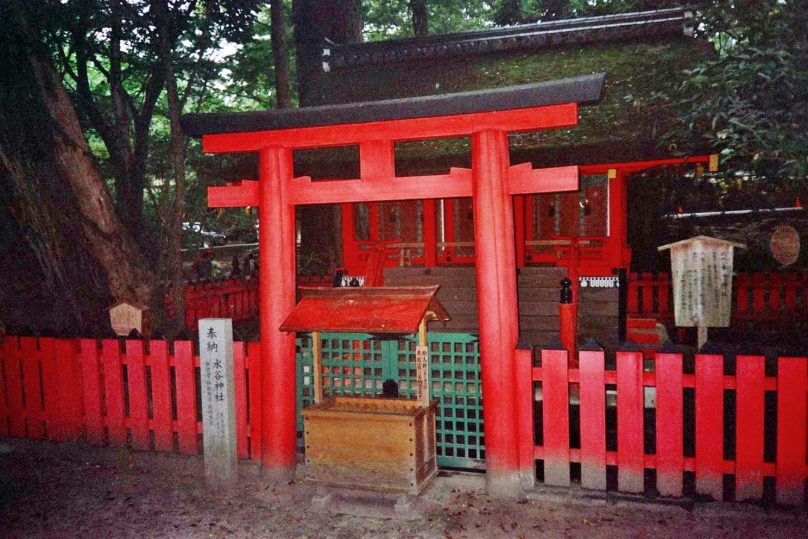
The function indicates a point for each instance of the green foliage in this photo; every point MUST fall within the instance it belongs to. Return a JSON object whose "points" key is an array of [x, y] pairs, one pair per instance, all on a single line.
{"points": [[751, 100]]}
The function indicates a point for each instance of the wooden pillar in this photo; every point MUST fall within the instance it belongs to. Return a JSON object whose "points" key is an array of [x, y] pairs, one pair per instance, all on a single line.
{"points": [[276, 300], [496, 298]]}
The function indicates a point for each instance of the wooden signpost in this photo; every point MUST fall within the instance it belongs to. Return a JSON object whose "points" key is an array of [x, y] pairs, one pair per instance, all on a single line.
{"points": [[701, 271]]}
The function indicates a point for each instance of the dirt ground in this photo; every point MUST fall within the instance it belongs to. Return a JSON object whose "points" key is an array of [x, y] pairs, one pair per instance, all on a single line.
{"points": [[72, 490]]}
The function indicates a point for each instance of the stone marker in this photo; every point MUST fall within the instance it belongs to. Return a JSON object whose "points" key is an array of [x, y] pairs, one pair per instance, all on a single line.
{"points": [[218, 400]]}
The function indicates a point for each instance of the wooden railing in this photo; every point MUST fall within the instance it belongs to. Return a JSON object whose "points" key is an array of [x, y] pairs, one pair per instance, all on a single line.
{"points": [[760, 300]]}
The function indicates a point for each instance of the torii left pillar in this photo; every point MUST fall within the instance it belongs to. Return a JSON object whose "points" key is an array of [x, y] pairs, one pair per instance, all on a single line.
{"points": [[276, 257]]}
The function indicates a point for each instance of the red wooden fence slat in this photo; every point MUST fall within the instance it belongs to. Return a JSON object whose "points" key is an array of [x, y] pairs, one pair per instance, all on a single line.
{"points": [[68, 387], [240, 390], [709, 425], [184, 373], [758, 288], [664, 293], [93, 394], [3, 404], [161, 396], [792, 423], [138, 399], [114, 392], [670, 462], [32, 388], [524, 411], [630, 453], [750, 390], [555, 412], [50, 398], [593, 419], [775, 287], [790, 294], [254, 370]]}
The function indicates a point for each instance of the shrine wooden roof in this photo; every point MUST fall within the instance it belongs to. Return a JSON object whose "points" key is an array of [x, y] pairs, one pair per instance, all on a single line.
{"points": [[582, 89], [372, 309]]}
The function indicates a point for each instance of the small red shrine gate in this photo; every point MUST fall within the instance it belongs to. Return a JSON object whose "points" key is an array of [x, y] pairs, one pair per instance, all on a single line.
{"points": [[487, 117]]}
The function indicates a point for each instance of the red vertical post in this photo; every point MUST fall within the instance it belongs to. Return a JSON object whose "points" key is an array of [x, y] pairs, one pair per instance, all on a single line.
{"points": [[750, 391], [430, 234], [519, 229], [350, 248], [277, 298], [161, 396], [185, 379], [524, 410], [240, 387], [138, 400], [630, 451], [617, 244], [633, 287], [555, 407], [593, 419], [709, 425], [448, 229], [791, 429], [33, 399], [670, 464], [91, 383], [496, 299], [254, 369], [113, 392]]}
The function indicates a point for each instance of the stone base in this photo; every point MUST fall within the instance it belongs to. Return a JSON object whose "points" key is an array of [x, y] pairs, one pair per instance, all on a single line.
{"points": [[278, 475], [503, 484]]}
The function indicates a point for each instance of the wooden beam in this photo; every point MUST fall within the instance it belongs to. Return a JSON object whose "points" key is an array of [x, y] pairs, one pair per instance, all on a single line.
{"points": [[527, 119], [526, 180], [235, 195]]}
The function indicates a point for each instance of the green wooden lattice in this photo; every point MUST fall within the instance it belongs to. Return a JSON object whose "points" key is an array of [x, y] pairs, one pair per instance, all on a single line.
{"points": [[357, 364]]}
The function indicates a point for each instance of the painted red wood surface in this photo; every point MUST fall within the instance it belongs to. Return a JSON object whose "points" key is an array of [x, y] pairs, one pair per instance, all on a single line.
{"points": [[32, 390], [709, 425], [555, 411], [75, 398], [792, 423], [762, 300], [669, 426], [750, 391], [93, 393], [114, 392], [240, 389], [185, 379], [13, 374], [630, 458], [593, 422], [161, 396], [138, 398]]}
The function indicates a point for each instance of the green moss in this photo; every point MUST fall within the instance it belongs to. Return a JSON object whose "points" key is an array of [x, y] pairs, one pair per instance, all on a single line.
{"points": [[627, 115]]}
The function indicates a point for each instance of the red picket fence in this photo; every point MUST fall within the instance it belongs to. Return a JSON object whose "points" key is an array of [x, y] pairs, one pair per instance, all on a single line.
{"points": [[760, 300], [145, 396], [766, 445]]}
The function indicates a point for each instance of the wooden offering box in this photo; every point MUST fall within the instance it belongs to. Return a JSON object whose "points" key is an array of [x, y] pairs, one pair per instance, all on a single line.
{"points": [[379, 444]]}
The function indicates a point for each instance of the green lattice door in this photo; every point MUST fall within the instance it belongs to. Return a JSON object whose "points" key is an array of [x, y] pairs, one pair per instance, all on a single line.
{"points": [[358, 364]]}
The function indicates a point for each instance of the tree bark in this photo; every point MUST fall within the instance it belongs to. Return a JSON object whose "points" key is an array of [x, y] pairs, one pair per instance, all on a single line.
{"points": [[127, 271], [420, 17], [510, 12], [176, 209], [280, 55]]}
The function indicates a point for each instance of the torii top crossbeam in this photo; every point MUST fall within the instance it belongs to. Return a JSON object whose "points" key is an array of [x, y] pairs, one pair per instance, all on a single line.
{"points": [[487, 117]]}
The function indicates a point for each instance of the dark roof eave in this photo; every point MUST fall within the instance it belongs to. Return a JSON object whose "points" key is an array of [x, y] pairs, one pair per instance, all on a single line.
{"points": [[583, 89]]}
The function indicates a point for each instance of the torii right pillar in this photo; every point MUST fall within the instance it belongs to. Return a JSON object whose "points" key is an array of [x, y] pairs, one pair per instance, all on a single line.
{"points": [[497, 308]]}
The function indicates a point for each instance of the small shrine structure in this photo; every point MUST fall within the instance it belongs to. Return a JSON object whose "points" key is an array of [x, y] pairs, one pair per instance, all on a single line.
{"points": [[487, 118]]}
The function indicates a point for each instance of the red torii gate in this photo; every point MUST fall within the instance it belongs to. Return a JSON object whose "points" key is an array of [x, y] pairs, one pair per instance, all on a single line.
{"points": [[487, 117]]}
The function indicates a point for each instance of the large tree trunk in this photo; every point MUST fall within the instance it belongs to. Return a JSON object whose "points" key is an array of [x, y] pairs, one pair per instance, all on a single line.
{"points": [[316, 21], [420, 17], [280, 55], [128, 275]]}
